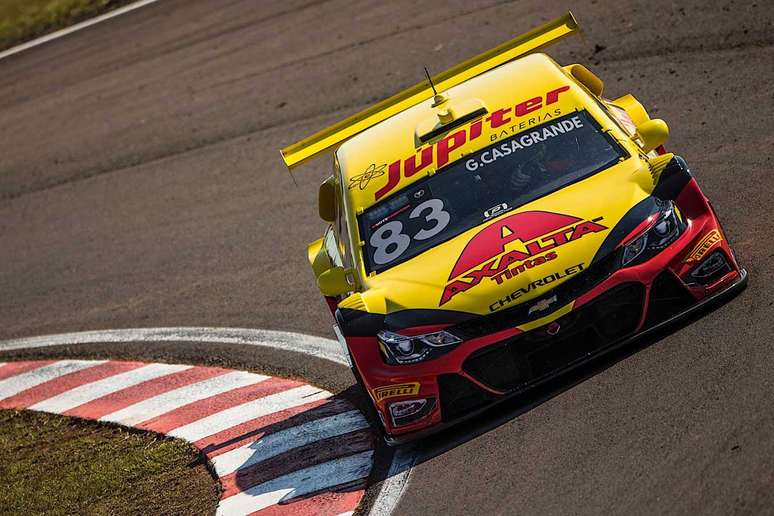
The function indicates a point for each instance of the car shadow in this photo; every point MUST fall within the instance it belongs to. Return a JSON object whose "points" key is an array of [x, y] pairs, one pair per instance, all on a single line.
{"points": [[323, 452]]}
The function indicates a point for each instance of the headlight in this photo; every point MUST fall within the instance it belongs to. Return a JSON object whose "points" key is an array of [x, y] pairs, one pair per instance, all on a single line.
{"points": [[400, 349], [667, 228]]}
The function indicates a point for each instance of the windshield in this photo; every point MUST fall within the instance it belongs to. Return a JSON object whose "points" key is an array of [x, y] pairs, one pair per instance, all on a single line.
{"points": [[483, 185]]}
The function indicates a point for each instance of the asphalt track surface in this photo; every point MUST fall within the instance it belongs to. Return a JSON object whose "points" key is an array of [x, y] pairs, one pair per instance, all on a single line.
{"points": [[141, 186]]}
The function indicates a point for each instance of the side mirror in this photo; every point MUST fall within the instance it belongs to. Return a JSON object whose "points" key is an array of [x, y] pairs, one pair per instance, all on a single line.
{"points": [[333, 282], [327, 200], [652, 134]]}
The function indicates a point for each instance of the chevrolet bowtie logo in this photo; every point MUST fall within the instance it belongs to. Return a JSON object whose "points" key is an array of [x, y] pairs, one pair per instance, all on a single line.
{"points": [[542, 305]]}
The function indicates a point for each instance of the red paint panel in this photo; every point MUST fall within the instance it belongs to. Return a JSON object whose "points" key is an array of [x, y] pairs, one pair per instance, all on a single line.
{"points": [[66, 382], [14, 368], [324, 503], [140, 392], [208, 406]]}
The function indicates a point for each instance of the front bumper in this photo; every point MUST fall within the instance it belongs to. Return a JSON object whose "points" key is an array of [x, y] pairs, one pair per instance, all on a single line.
{"points": [[486, 402], [495, 364]]}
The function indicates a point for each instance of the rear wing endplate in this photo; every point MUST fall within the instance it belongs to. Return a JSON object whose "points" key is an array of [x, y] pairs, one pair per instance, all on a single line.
{"points": [[331, 137]]}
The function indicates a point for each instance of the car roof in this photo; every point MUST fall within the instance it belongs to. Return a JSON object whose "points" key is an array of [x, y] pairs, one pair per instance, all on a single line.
{"points": [[369, 161]]}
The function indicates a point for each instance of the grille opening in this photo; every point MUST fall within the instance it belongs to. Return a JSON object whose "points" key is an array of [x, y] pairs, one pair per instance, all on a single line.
{"points": [[460, 397], [667, 298], [535, 355]]}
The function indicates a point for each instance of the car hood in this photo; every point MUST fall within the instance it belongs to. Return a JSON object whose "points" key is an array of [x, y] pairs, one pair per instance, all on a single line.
{"points": [[517, 256]]}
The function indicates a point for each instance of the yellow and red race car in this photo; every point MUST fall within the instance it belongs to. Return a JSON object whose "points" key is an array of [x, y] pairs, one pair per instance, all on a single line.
{"points": [[500, 224]]}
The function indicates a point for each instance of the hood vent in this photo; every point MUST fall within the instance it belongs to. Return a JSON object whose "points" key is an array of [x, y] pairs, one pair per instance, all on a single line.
{"points": [[449, 115]]}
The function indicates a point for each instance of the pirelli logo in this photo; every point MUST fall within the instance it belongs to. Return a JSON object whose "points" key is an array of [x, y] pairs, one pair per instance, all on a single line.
{"points": [[704, 245], [393, 391]]}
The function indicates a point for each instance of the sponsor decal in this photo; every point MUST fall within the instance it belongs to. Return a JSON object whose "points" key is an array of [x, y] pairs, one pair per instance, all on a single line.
{"points": [[439, 153], [495, 210], [543, 304], [532, 237], [395, 391], [362, 181], [524, 141], [704, 245]]}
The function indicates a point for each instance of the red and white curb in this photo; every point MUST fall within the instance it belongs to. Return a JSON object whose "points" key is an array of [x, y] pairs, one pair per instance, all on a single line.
{"points": [[278, 446], [403, 460]]}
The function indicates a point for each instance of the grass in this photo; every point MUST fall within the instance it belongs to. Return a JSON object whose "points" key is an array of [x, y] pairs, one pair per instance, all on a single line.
{"points": [[59, 465], [22, 20]]}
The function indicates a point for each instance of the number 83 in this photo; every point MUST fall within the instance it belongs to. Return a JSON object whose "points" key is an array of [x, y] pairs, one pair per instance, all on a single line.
{"points": [[389, 241]]}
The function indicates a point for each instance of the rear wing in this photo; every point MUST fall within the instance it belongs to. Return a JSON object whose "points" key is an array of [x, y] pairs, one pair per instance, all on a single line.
{"points": [[333, 136]]}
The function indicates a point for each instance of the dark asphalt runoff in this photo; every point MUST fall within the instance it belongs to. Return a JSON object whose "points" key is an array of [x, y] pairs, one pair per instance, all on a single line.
{"points": [[141, 185]]}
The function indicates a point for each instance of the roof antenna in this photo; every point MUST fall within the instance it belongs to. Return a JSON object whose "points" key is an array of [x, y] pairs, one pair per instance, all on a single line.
{"points": [[438, 98], [430, 80]]}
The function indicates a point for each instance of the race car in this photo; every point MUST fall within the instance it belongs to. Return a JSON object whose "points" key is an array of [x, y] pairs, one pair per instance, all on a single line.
{"points": [[499, 224]]}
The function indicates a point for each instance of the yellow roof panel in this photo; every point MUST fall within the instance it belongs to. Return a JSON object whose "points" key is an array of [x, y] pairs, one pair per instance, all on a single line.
{"points": [[518, 95]]}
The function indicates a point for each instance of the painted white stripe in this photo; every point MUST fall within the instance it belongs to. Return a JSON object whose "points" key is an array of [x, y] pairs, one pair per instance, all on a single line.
{"points": [[260, 407], [2, 364], [74, 28], [174, 399], [284, 440], [397, 480], [22, 382], [326, 349], [93, 390], [299, 483], [350, 513]]}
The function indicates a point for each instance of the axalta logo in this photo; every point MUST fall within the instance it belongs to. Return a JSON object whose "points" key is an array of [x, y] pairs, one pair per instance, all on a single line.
{"points": [[539, 232], [395, 391], [440, 151]]}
